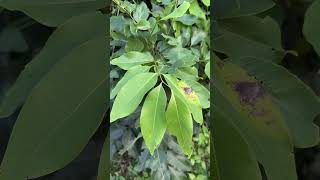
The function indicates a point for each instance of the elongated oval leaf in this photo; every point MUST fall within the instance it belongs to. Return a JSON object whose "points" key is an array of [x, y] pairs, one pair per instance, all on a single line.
{"points": [[179, 122], [178, 12], [131, 59], [131, 94], [262, 125], [127, 76], [61, 114], [311, 26], [153, 120], [45, 11], [60, 43]]}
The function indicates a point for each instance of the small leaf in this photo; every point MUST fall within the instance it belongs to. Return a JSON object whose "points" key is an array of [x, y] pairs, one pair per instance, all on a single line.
{"points": [[133, 58], [207, 69], [143, 25], [141, 13], [178, 12], [127, 76], [188, 19], [179, 122], [180, 57], [196, 10], [134, 44], [152, 120], [131, 94], [311, 26], [197, 37], [206, 2]]}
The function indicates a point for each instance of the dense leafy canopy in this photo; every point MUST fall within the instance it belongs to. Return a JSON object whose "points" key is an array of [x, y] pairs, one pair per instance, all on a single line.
{"points": [[165, 46]]}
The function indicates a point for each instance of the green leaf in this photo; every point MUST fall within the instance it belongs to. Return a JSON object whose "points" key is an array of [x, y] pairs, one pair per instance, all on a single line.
{"points": [[59, 45], [127, 76], [104, 170], [201, 91], [131, 94], [189, 96], [153, 120], [141, 13], [250, 37], [239, 8], [133, 58], [143, 25], [259, 121], [188, 19], [290, 95], [134, 44], [187, 73], [206, 2], [179, 122], [207, 69], [311, 26], [178, 12], [197, 37], [228, 141], [180, 57], [193, 101], [61, 114], [46, 11], [196, 10]]}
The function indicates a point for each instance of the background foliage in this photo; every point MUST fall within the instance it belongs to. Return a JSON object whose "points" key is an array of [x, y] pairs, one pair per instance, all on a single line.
{"points": [[267, 110]]}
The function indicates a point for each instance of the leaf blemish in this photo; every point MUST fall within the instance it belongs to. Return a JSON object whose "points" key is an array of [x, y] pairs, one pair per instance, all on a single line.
{"points": [[249, 92], [187, 90]]}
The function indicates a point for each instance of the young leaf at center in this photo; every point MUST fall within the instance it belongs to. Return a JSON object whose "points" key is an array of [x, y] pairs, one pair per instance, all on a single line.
{"points": [[152, 120]]}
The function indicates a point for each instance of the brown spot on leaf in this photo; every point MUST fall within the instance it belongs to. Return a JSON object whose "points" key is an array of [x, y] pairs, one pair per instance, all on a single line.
{"points": [[187, 90], [249, 92]]}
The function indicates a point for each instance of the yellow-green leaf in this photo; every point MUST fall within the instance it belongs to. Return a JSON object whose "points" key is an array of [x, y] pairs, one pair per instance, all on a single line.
{"points": [[186, 95], [192, 100], [206, 2], [196, 10], [180, 122], [152, 120], [127, 76], [131, 59], [131, 94], [178, 12]]}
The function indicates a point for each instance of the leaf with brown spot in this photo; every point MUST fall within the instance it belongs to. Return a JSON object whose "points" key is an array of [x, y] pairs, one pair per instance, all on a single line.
{"points": [[260, 123]]}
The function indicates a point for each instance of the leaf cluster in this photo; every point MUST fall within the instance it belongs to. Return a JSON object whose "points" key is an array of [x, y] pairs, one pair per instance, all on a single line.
{"points": [[160, 50]]}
